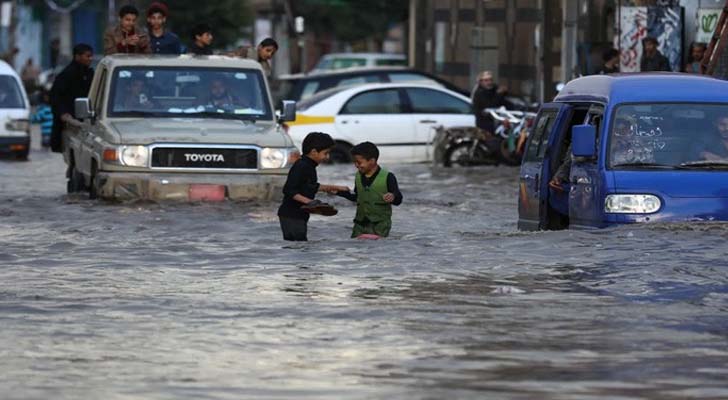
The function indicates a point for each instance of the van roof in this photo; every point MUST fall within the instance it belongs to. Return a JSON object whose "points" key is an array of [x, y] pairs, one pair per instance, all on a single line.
{"points": [[647, 87]]}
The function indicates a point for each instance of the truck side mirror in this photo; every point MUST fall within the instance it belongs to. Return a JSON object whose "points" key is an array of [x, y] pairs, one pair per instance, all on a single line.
{"points": [[82, 109], [583, 141], [288, 111]]}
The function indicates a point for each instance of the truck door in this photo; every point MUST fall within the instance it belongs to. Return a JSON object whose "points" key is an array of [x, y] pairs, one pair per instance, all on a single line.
{"points": [[533, 183]]}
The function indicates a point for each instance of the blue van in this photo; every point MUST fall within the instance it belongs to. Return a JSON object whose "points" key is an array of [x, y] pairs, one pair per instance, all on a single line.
{"points": [[618, 149]]}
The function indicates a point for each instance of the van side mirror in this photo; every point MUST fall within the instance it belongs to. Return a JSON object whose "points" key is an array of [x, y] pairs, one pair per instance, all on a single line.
{"points": [[288, 111], [82, 109], [583, 141]]}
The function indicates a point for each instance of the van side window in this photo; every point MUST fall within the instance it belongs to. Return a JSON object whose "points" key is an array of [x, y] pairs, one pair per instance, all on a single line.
{"points": [[537, 143]]}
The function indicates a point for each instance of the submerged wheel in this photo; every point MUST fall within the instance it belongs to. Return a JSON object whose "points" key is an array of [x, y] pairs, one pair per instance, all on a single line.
{"points": [[92, 189], [75, 181], [507, 156]]}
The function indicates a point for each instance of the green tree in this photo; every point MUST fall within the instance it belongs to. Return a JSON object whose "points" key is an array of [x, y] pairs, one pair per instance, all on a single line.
{"points": [[228, 19], [352, 20]]}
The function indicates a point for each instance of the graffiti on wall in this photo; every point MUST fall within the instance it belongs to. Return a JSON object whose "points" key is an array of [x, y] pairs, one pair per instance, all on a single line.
{"points": [[662, 23], [707, 21]]}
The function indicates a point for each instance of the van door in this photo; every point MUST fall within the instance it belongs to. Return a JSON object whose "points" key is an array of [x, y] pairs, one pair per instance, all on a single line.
{"points": [[533, 186], [585, 197]]}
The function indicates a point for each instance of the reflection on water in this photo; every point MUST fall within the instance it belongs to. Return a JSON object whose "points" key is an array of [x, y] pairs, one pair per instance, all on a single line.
{"points": [[196, 301]]}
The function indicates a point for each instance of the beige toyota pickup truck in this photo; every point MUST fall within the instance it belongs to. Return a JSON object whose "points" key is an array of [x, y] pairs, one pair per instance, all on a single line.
{"points": [[178, 128]]}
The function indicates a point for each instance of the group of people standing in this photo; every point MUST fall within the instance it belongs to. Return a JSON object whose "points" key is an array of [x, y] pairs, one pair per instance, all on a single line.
{"points": [[653, 60], [127, 37]]}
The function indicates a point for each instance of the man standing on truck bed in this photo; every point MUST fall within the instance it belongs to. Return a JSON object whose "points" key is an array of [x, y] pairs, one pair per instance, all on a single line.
{"points": [[73, 82]]}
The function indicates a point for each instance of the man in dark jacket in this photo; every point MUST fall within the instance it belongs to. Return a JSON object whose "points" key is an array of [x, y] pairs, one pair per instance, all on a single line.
{"points": [[487, 95], [652, 59], [73, 82], [161, 40]]}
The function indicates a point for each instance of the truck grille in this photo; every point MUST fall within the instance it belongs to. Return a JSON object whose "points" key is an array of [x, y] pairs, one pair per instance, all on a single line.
{"points": [[204, 158]]}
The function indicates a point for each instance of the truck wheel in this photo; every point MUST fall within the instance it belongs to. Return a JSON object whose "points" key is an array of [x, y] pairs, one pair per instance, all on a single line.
{"points": [[75, 181], [92, 189]]}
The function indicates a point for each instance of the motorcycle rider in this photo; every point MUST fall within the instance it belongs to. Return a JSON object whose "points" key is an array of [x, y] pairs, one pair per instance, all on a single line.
{"points": [[487, 94]]}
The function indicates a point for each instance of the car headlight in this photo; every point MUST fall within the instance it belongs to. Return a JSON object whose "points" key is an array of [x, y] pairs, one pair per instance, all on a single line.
{"points": [[134, 156], [632, 204], [22, 125], [276, 158]]}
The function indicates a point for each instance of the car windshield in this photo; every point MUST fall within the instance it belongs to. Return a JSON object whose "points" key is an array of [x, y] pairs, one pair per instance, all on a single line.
{"points": [[200, 92], [310, 101], [10, 95], [669, 136]]}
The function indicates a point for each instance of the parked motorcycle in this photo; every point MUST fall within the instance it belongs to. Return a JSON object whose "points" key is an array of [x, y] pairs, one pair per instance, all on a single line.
{"points": [[471, 146]]}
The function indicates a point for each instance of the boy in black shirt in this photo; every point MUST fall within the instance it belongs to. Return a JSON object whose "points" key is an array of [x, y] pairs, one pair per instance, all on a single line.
{"points": [[302, 184]]}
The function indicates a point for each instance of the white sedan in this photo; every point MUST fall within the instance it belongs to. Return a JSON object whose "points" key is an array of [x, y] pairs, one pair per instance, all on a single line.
{"points": [[399, 118]]}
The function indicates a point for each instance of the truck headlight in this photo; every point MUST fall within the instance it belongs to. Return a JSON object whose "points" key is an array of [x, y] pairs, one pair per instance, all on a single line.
{"points": [[632, 204], [276, 158], [134, 156], [21, 125]]}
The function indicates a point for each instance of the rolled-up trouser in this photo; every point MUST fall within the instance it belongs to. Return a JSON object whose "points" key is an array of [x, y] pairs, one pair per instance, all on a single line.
{"points": [[372, 228], [294, 229]]}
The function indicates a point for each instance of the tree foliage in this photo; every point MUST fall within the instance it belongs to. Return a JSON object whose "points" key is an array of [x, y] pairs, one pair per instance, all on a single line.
{"points": [[228, 18], [352, 20]]}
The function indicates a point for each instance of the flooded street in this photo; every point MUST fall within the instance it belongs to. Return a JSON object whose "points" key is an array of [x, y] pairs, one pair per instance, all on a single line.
{"points": [[206, 301]]}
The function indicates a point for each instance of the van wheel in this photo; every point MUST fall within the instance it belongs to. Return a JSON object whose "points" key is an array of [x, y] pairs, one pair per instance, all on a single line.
{"points": [[507, 157], [75, 181], [92, 188], [340, 154]]}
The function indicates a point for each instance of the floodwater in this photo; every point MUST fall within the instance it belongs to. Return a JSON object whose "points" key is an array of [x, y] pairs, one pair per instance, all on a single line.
{"points": [[205, 301]]}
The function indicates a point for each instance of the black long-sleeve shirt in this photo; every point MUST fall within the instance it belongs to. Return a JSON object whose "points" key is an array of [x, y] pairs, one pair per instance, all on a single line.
{"points": [[392, 187], [303, 180]]}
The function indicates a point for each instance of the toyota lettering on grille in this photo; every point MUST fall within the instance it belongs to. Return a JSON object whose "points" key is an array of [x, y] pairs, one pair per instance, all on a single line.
{"points": [[204, 157]]}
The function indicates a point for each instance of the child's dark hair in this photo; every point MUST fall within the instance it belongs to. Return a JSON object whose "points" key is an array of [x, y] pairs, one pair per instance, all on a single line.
{"points": [[368, 150], [317, 141], [200, 29], [128, 9]]}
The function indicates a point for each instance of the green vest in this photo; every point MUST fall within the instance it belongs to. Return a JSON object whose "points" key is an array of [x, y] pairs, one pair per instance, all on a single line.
{"points": [[369, 203]]}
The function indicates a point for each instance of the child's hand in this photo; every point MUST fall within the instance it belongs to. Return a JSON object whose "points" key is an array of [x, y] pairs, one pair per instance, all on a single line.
{"points": [[388, 197], [333, 189]]}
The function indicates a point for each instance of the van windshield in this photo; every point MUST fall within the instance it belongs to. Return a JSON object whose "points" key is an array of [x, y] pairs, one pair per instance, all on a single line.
{"points": [[10, 95], [190, 92], [669, 136]]}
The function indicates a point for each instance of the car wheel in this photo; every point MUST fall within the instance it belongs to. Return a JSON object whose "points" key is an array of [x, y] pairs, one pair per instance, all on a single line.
{"points": [[75, 181], [22, 156], [340, 154]]}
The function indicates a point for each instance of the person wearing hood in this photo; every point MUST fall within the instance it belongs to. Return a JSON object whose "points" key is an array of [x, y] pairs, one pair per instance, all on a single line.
{"points": [[161, 40]]}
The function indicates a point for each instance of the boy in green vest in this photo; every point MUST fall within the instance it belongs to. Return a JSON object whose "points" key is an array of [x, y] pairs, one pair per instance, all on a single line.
{"points": [[375, 191]]}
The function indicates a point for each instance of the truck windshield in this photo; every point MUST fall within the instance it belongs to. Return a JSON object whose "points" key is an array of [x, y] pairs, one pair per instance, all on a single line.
{"points": [[189, 92], [669, 136]]}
